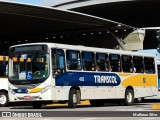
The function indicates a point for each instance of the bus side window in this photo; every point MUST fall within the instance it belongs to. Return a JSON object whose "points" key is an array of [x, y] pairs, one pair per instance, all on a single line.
{"points": [[58, 61], [127, 63], [3, 67], [73, 60], [149, 65], [138, 64], [88, 61], [102, 62], [115, 62]]}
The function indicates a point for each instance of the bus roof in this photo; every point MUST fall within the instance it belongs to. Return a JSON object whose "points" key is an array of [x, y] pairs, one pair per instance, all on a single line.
{"points": [[93, 49]]}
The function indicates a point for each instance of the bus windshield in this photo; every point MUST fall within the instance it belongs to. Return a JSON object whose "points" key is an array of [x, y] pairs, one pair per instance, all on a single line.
{"points": [[29, 66]]}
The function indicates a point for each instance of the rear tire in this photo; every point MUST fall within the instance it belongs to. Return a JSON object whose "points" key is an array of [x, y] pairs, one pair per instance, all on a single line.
{"points": [[3, 99], [73, 98], [37, 104], [129, 97]]}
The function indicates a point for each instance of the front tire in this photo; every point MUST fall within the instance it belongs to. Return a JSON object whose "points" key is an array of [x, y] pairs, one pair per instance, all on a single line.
{"points": [[73, 98], [129, 97], [3, 99]]}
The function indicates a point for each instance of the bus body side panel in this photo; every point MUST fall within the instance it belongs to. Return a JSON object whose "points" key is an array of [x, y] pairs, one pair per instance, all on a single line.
{"points": [[143, 84], [93, 85], [87, 92], [120, 92], [61, 92]]}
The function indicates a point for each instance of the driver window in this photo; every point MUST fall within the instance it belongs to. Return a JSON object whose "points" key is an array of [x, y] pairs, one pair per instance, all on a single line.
{"points": [[58, 61]]}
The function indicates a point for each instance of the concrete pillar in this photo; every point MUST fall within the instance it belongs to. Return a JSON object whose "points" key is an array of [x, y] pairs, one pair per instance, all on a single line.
{"points": [[134, 41]]}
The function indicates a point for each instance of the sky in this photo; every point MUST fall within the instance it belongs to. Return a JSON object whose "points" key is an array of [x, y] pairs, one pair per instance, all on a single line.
{"points": [[152, 51], [40, 2]]}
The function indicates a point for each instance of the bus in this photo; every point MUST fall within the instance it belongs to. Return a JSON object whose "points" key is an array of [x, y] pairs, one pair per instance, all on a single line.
{"points": [[3, 81], [60, 72]]}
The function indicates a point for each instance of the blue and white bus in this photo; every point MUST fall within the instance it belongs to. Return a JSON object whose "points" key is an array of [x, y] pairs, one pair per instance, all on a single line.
{"points": [[46, 72]]}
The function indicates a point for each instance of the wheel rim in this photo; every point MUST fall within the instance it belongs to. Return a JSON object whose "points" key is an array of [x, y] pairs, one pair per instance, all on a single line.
{"points": [[74, 98], [129, 97], [3, 99]]}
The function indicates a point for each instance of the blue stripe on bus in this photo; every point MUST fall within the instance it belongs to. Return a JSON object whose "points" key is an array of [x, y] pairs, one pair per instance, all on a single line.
{"points": [[88, 79]]}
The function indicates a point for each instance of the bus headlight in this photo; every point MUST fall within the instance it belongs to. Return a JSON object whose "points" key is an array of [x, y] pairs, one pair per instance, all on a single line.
{"points": [[11, 91], [45, 88]]}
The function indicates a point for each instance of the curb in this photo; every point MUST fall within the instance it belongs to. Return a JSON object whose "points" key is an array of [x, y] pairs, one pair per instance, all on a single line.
{"points": [[86, 102], [156, 107]]}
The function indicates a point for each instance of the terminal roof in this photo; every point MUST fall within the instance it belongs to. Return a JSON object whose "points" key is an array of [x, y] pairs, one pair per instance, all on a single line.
{"points": [[21, 22]]}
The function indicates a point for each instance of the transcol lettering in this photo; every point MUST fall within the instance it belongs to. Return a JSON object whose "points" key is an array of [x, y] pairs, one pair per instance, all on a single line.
{"points": [[105, 79]]}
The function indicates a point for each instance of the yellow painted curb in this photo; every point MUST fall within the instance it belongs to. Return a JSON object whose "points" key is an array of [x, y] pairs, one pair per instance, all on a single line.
{"points": [[86, 102], [156, 107]]}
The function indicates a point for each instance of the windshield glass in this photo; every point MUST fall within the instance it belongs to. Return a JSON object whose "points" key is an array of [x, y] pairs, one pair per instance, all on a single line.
{"points": [[29, 66]]}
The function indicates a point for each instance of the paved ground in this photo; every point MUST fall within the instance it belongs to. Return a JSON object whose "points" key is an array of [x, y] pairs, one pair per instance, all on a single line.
{"points": [[141, 111]]}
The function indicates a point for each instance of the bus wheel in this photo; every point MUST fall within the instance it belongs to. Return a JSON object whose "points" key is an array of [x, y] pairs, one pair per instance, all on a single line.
{"points": [[129, 97], [3, 99], [96, 103], [73, 98], [37, 104]]}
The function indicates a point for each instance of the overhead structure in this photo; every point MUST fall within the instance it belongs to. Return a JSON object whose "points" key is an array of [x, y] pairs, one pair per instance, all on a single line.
{"points": [[139, 13], [21, 23]]}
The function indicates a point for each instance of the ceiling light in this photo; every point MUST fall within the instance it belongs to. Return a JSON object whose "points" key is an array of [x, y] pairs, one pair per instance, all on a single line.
{"points": [[119, 25]]}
